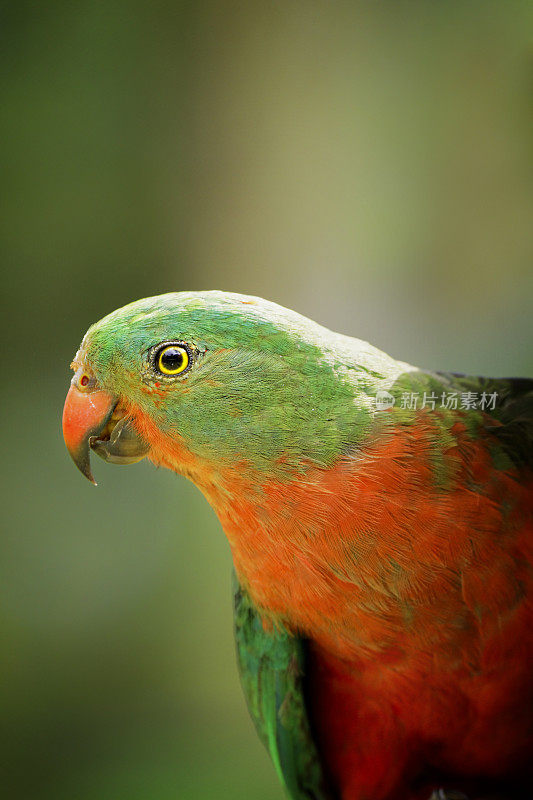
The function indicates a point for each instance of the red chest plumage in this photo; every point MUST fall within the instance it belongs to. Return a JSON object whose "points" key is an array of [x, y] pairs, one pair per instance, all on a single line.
{"points": [[419, 604], [417, 599]]}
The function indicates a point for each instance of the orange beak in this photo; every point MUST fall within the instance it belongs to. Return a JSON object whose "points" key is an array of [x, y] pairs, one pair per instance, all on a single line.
{"points": [[85, 416]]}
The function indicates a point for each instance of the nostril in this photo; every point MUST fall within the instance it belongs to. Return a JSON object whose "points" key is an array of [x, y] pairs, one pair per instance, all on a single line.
{"points": [[84, 380]]}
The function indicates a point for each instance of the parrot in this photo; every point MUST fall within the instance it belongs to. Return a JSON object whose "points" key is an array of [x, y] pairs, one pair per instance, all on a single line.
{"points": [[380, 521]]}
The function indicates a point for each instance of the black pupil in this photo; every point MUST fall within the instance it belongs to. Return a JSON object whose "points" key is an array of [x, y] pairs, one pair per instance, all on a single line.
{"points": [[172, 358]]}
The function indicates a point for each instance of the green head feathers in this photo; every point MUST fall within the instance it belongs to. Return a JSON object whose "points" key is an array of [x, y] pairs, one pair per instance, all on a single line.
{"points": [[263, 385]]}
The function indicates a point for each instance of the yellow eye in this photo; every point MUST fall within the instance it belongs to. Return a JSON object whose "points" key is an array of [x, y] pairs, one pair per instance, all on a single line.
{"points": [[172, 360]]}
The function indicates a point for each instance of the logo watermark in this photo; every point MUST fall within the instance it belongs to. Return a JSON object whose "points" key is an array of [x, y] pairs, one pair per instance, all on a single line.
{"points": [[384, 400], [452, 401]]}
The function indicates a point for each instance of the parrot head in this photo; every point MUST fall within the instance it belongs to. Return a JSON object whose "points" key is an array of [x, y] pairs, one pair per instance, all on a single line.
{"points": [[213, 381]]}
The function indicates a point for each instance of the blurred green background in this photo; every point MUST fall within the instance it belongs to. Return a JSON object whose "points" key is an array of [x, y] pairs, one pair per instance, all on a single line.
{"points": [[368, 164]]}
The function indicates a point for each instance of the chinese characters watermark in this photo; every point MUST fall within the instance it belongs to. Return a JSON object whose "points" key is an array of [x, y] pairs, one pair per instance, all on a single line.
{"points": [[452, 401]]}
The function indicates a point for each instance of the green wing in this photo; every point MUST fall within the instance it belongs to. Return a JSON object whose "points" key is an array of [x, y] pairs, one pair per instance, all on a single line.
{"points": [[513, 413], [272, 666]]}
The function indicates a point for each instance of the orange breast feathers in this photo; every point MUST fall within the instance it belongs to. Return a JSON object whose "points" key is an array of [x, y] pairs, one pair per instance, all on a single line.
{"points": [[415, 590], [417, 598], [375, 550]]}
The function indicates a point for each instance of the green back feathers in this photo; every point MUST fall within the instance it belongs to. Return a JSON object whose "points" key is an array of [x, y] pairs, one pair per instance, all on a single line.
{"points": [[510, 423]]}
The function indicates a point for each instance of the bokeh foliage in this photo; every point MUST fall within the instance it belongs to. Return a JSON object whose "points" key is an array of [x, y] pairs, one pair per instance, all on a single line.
{"points": [[368, 164]]}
